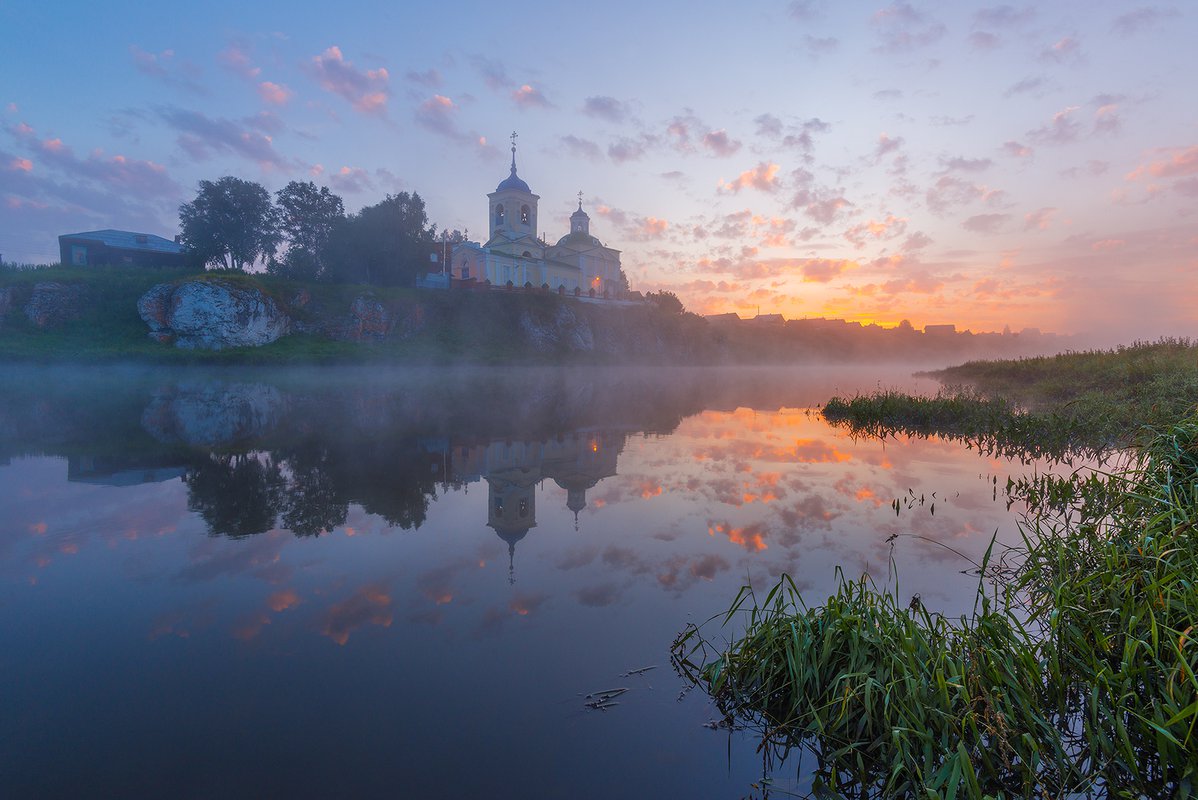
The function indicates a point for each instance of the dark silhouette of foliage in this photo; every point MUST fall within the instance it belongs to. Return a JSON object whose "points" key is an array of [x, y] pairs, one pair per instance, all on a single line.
{"points": [[386, 244], [231, 224], [307, 217]]}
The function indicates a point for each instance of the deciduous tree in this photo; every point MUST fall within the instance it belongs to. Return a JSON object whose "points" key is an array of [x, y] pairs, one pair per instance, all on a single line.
{"points": [[231, 224], [385, 244], [307, 218]]}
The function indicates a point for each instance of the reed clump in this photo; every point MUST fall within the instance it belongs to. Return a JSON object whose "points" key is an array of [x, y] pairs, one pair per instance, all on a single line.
{"points": [[1073, 676]]}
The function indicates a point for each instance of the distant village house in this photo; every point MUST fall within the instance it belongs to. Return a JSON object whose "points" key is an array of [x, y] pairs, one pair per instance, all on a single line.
{"points": [[111, 248]]}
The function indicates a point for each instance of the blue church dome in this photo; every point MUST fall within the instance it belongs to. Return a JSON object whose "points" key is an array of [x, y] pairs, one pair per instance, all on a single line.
{"points": [[513, 182]]}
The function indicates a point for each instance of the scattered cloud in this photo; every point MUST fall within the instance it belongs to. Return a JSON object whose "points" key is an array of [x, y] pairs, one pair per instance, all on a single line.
{"points": [[823, 270], [578, 147], [718, 143], [1107, 119], [763, 177], [276, 94], [202, 137], [1003, 16], [950, 193], [164, 67], [605, 107], [986, 223], [528, 96], [1023, 86], [366, 90], [629, 149], [493, 73], [429, 78], [887, 145], [1064, 50], [350, 180], [886, 228], [1176, 162], [679, 129], [984, 40], [901, 28], [1063, 128], [1016, 149], [1141, 19], [962, 164], [792, 136], [820, 45], [805, 10], [1039, 219], [236, 59], [439, 115]]}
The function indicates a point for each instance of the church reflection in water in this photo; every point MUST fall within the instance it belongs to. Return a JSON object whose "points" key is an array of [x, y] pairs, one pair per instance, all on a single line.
{"points": [[513, 470], [307, 488]]}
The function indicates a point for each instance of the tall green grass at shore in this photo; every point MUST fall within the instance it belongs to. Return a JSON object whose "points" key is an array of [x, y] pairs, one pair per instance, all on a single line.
{"points": [[1074, 675]]}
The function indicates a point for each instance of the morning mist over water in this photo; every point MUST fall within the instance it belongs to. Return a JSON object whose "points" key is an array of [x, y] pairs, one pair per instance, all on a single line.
{"points": [[395, 398], [373, 574]]}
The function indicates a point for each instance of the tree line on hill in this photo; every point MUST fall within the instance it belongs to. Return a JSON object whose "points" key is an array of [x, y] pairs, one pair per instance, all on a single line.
{"points": [[303, 233]]}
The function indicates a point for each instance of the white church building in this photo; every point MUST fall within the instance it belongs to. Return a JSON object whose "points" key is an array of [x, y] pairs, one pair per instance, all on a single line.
{"points": [[516, 255]]}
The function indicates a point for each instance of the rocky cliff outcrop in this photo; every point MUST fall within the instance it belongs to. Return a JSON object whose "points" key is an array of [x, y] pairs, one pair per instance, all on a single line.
{"points": [[53, 304], [212, 314], [562, 329]]}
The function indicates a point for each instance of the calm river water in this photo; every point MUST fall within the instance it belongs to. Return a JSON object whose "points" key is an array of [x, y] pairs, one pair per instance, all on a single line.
{"points": [[355, 583]]}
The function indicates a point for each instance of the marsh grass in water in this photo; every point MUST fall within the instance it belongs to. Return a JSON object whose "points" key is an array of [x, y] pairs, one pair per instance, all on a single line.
{"points": [[1073, 676], [1075, 404]]}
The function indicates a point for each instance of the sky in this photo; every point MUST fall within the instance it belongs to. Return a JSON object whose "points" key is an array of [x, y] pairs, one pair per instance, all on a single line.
{"points": [[981, 164]]}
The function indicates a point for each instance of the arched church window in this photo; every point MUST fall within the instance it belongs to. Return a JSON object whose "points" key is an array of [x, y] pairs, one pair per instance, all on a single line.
{"points": [[499, 214], [577, 226], [525, 214], [527, 254]]}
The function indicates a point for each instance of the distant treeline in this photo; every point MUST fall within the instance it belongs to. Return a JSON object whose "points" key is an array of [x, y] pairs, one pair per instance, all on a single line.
{"points": [[303, 233]]}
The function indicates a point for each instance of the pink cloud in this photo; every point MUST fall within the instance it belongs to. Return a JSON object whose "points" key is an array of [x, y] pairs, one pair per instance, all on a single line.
{"points": [[822, 270], [1064, 49], [1013, 148], [237, 60], [1180, 163], [21, 164], [763, 177], [438, 115], [887, 145], [886, 228], [1105, 245], [1061, 129], [1039, 219], [528, 96], [653, 228], [274, 93], [350, 180], [365, 90]]}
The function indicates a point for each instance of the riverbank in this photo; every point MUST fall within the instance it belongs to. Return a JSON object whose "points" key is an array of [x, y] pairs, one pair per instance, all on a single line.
{"points": [[64, 314], [1075, 673], [1085, 402]]}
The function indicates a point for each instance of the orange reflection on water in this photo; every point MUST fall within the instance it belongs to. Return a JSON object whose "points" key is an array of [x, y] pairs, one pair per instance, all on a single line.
{"points": [[750, 537], [370, 605], [283, 600]]}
